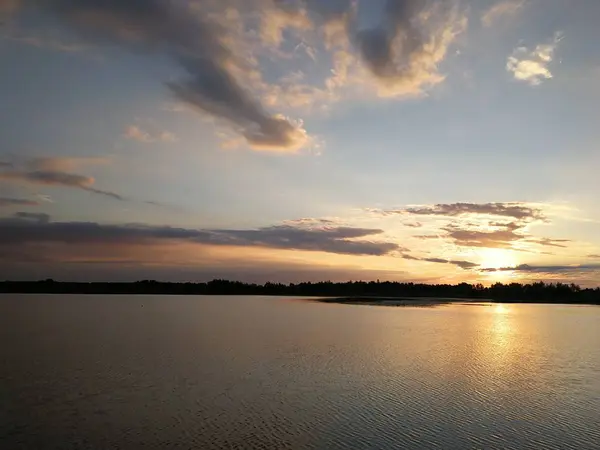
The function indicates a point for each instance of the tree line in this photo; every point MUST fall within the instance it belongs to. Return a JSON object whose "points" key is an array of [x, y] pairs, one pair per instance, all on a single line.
{"points": [[514, 292]]}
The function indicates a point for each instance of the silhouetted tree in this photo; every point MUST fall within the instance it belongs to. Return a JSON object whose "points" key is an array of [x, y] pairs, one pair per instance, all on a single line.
{"points": [[514, 292]]}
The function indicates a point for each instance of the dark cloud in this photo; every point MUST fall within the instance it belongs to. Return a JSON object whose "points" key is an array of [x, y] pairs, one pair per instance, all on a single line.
{"points": [[328, 239], [377, 44], [467, 237], [57, 178], [4, 164], [505, 235], [489, 239], [547, 269], [518, 211], [340, 240], [403, 50], [7, 201], [184, 32], [462, 264], [594, 256]]}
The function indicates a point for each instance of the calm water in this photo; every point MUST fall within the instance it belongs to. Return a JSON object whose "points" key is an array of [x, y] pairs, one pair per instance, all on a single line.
{"points": [[79, 372]]}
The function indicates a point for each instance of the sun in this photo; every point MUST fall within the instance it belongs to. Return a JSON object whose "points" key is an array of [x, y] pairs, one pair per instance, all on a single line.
{"points": [[498, 258]]}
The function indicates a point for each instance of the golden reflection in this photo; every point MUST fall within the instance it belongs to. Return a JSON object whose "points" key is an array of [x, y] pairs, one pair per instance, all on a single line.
{"points": [[499, 348], [501, 309]]}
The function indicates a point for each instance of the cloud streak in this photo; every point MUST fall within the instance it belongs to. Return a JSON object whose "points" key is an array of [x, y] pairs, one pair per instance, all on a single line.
{"points": [[62, 179], [519, 211], [551, 269], [54, 172], [488, 239], [338, 240], [466, 265], [494, 235], [7, 201]]}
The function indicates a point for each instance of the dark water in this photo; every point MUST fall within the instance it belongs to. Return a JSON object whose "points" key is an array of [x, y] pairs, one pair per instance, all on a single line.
{"points": [[81, 372]]}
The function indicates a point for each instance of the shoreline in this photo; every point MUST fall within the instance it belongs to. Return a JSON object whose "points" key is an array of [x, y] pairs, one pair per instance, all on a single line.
{"points": [[399, 301]]}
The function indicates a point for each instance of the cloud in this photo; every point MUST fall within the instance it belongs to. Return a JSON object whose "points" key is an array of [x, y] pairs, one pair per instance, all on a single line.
{"points": [[338, 240], [548, 269], [7, 201], [199, 44], [506, 235], [404, 50], [327, 239], [550, 242], [593, 256], [45, 198], [466, 265], [532, 66], [519, 211], [38, 217], [310, 222], [277, 19], [462, 264], [64, 164], [501, 10], [474, 224], [503, 238], [413, 224], [136, 133], [224, 46], [55, 172]]}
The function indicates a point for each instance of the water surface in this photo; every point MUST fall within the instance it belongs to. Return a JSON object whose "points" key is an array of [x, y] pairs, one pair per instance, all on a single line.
{"points": [[99, 372]]}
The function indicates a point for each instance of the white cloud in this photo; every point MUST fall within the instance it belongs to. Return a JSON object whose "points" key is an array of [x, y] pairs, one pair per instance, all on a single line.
{"points": [[532, 66]]}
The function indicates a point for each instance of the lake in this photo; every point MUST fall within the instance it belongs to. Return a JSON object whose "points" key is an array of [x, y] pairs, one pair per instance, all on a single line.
{"points": [[158, 372]]}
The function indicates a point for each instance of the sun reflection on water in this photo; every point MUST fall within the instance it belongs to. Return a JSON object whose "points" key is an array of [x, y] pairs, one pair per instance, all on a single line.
{"points": [[501, 309], [500, 347]]}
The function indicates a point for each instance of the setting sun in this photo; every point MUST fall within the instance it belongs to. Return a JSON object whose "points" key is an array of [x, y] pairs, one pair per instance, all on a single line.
{"points": [[497, 258]]}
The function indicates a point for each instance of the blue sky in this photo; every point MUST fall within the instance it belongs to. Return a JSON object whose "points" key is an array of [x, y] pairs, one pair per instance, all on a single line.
{"points": [[287, 140]]}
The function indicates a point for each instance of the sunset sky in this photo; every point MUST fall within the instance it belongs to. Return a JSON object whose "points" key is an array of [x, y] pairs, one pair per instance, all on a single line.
{"points": [[411, 140]]}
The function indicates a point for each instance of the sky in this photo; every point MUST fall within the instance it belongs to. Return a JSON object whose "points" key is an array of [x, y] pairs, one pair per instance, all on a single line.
{"points": [[300, 140]]}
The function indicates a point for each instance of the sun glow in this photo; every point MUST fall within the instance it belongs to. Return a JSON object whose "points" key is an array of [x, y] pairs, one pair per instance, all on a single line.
{"points": [[500, 309], [498, 258]]}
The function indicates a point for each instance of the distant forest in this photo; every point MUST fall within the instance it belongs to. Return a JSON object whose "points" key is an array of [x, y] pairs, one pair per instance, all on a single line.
{"points": [[509, 293]]}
